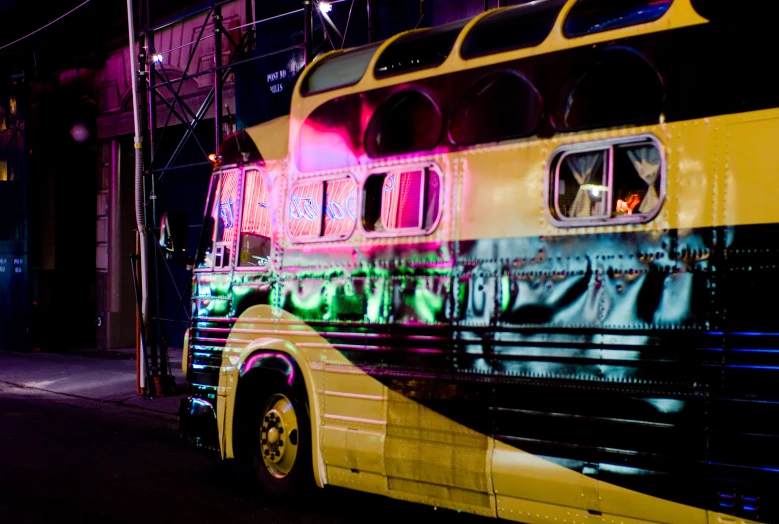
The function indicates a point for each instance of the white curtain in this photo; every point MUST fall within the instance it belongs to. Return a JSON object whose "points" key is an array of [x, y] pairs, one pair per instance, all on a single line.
{"points": [[583, 166], [646, 161]]}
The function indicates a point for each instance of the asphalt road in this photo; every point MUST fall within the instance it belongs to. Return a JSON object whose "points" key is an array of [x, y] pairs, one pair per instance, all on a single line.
{"points": [[75, 460]]}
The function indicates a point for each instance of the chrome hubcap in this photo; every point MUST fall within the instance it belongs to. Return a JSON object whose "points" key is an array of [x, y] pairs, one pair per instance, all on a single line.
{"points": [[279, 436]]}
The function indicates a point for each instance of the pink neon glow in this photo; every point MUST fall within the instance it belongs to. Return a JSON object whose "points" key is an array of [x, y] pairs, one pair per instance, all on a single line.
{"points": [[324, 149], [249, 364], [256, 206], [305, 208], [401, 199]]}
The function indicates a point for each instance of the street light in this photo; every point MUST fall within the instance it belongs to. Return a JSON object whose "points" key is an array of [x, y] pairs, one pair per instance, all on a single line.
{"points": [[325, 7]]}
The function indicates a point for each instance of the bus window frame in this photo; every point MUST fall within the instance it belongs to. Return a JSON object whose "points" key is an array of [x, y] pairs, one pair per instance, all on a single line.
{"points": [[403, 90], [568, 36], [405, 232], [311, 239], [606, 145], [216, 178], [239, 236]]}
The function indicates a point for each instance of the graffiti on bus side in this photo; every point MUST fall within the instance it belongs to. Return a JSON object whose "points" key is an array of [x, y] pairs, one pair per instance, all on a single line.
{"points": [[303, 207]]}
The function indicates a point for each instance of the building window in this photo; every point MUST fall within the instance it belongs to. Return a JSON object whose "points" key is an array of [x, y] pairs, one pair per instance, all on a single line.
{"points": [[607, 182], [402, 201], [322, 210], [4, 176], [256, 240]]}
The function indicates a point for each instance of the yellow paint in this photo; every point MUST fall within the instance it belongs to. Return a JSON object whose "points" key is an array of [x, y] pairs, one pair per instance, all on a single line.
{"points": [[271, 138], [751, 165], [409, 452], [185, 353], [680, 14], [370, 438]]}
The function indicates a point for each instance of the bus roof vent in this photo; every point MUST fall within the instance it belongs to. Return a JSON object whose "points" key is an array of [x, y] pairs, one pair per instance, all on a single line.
{"points": [[418, 50], [525, 25]]}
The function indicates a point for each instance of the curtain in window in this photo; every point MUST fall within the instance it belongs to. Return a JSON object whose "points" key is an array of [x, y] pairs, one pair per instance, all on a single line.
{"points": [[646, 161], [582, 167]]}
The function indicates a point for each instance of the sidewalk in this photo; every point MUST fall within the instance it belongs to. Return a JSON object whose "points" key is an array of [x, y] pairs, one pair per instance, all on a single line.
{"points": [[104, 376]]}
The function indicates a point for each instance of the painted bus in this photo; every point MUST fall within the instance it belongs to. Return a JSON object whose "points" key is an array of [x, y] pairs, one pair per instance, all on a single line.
{"points": [[521, 265]]}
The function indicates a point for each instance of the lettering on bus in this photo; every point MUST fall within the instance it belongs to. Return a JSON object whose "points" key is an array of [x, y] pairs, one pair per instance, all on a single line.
{"points": [[304, 208], [332, 202]]}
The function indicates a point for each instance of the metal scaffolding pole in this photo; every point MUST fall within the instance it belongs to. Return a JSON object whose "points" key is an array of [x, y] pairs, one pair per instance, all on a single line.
{"points": [[141, 297], [218, 77], [308, 30], [155, 371]]}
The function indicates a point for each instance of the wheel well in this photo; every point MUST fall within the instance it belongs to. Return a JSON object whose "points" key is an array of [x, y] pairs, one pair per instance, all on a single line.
{"points": [[250, 386]]}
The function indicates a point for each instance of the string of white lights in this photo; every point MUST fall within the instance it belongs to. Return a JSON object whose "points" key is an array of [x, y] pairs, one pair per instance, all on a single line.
{"points": [[9, 44]]}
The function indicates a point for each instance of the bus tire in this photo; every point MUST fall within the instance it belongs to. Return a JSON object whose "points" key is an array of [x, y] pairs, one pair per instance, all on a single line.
{"points": [[280, 435]]}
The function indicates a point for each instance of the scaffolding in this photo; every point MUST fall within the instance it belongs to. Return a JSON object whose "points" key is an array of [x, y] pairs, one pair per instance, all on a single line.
{"points": [[156, 89]]}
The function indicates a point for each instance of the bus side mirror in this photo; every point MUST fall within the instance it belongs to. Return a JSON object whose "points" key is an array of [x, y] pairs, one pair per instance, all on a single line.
{"points": [[173, 236]]}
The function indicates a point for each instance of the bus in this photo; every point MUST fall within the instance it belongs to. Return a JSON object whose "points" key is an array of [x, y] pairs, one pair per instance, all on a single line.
{"points": [[520, 265]]}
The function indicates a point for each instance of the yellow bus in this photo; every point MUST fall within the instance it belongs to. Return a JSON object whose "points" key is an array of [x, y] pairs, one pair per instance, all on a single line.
{"points": [[520, 265]]}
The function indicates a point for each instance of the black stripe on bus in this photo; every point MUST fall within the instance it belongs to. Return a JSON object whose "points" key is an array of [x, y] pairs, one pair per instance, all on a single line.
{"points": [[650, 356]]}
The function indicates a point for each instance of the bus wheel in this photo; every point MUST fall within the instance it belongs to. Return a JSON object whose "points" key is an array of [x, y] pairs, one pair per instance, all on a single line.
{"points": [[282, 441]]}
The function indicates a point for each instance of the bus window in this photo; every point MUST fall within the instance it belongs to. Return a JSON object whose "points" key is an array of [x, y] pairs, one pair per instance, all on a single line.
{"points": [[339, 70], [340, 207], [619, 182], [206, 243], [406, 122], [418, 50], [402, 201], [255, 221], [498, 107], [637, 189], [510, 29], [581, 190], [621, 87], [220, 224], [324, 210], [305, 210], [594, 16]]}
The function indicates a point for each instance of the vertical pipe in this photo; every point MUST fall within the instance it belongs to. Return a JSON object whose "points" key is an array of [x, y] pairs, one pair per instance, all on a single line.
{"points": [[486, 5], [308, 30], [150, 274], [218, 76], [140, 219], [368, 6]]}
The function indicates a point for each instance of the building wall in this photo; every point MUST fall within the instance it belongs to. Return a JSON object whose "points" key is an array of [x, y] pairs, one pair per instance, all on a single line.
{"points": [[15, 299]]}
